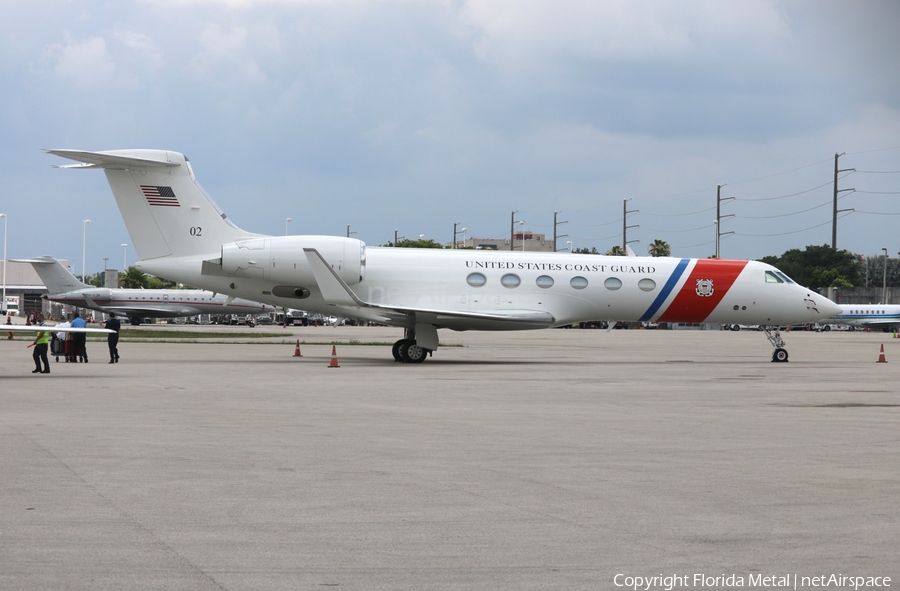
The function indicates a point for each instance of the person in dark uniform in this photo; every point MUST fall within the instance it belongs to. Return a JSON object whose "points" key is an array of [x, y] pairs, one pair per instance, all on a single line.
{"points": [[113, 338]]}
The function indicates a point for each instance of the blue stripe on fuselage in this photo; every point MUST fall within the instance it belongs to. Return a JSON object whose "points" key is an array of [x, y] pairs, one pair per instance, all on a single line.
{"points": [[666, 290]]}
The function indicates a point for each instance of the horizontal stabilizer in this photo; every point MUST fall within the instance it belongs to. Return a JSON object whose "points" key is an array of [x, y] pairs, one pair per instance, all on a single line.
{"points": [[119, 160]]}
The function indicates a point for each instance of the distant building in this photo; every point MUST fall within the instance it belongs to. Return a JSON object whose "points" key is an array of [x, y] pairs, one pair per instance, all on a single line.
{"points": [[533, 242]]}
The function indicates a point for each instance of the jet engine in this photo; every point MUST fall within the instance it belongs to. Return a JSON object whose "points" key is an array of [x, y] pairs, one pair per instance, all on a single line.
{"points": [[282, 261]]}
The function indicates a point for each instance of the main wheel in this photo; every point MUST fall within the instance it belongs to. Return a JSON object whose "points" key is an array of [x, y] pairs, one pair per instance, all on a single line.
{"points": [[413, 353], [395, 350], [780, 355]]}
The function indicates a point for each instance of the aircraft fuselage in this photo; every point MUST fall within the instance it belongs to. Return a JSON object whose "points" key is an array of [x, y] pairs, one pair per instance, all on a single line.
{"points": [[541, 289]]}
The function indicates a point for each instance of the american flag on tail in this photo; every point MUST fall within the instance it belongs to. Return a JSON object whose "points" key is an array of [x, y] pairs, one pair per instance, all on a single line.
{"points": [[162, 196]]}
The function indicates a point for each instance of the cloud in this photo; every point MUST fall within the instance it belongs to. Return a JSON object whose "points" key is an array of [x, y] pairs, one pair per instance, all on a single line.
{"points": [[524, 34], [226, 56], [86, 63], [138, 52]]}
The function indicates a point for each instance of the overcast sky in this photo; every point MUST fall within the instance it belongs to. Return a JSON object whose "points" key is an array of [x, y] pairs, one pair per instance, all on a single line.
{"points": [[414, 114]]}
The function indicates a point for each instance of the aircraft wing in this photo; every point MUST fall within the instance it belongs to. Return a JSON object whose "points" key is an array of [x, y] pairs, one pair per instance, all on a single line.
{"points": [[877, 321], [149, 311], [335, 290], [36, 328]]}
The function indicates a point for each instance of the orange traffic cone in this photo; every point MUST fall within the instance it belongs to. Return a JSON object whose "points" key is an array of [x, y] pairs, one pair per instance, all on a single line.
{"points": [[881, 358], [297, 349], [334, 362]]}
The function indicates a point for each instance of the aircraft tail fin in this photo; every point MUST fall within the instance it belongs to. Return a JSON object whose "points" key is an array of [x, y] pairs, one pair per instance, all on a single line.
{"points": [[165, 209], [55, 276]]}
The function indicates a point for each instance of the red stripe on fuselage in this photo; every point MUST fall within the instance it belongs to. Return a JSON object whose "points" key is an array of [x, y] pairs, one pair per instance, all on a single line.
{"points": [[688, 306]]}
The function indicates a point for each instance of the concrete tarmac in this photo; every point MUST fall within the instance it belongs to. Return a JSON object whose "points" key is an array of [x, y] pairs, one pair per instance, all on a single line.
{"points": [[553, 459]]}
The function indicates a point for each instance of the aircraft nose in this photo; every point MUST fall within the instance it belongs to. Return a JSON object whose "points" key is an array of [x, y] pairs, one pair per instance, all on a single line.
{"points": [[825, 306]]}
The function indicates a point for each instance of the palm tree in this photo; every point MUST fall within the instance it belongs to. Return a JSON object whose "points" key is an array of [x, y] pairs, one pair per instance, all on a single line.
{"points": [[616, 251], [660, 248], [134, 279]]}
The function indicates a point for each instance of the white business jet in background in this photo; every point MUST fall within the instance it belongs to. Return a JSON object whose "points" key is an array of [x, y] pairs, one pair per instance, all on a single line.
{"points": [[180, 234], [881, 316], [136, 304]]}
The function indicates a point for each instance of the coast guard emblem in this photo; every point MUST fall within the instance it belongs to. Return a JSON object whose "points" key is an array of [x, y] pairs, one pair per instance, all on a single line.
{"points": [[704, 287]]}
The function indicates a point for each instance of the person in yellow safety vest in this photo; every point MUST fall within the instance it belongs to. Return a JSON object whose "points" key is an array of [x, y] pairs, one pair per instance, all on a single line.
{"points": [[41, 341]]}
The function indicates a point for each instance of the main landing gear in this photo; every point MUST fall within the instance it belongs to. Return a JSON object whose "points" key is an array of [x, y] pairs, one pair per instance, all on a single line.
{"points": [[780, 354], [407, 351], [418, 342]]}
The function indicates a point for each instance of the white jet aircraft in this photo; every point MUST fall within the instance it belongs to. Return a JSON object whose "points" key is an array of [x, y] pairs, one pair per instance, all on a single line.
{"points": [[136, 304], [179, 233], [883, 316]]}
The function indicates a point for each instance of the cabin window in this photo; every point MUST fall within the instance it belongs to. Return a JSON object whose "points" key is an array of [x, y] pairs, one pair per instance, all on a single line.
{"points": [[771, 277], [612, 283], [476, 279], [510, 280], [544, 281], [578, 282], [647, 284]]}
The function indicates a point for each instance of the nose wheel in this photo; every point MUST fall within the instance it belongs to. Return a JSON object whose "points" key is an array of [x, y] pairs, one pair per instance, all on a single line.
{"points": [[780, 354]]}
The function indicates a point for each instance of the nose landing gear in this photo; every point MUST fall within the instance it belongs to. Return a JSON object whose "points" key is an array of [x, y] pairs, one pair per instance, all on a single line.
{"points": [[780, 354]]}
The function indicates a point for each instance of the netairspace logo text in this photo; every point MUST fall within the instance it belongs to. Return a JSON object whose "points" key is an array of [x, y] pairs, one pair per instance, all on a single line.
{"points": [[785, 581]]}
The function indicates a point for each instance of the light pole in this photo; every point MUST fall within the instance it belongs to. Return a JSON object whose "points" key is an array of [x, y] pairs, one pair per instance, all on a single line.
{"points": [[124, 257], [863, 260], [286, 222], [3, 301], [464, 230], [569, 243], [884, 279], [84, 247], [105, 259], [522, 229]]}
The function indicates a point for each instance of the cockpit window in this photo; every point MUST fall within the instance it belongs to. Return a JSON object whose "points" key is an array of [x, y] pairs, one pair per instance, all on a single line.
{"points": [[785, 277], [771, 277]]}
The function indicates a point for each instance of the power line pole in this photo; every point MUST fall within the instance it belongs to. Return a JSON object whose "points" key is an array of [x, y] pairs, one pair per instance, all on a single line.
{"points": [[719, 216], [835, 210], [555, 235], [625, 226], [512, 229]]}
